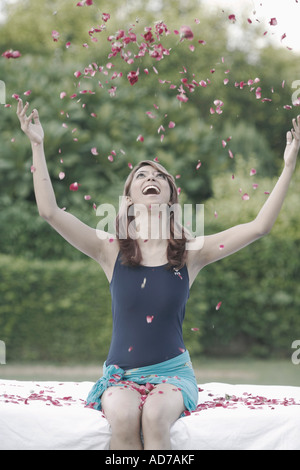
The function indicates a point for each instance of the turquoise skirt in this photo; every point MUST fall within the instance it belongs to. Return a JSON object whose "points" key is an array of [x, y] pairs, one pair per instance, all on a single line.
{"points": [[177, 371]]}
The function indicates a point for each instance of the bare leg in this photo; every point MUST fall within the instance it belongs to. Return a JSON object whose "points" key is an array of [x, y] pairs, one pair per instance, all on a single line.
{"points": [[121, 408], [162, 408]]}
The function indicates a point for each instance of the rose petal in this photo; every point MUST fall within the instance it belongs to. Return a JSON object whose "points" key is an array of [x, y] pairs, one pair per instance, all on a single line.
{"points": [[186, 33], [273, 22], [94, 151], [74, 186], [55, 35]]}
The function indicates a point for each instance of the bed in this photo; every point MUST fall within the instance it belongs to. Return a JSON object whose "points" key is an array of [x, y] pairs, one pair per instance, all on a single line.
{"points": [[53, 416]]}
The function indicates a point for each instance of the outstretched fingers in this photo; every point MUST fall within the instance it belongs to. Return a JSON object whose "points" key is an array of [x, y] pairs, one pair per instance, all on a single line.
{"points": [[296, 128], [21, 113]]}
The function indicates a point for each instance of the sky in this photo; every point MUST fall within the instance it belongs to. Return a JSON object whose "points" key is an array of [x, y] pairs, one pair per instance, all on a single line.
{"points": [[286, 12]]}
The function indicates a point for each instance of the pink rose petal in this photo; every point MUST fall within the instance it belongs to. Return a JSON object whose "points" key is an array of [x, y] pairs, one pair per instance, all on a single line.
{"points": [[10, 54], [74, 186], [273, 22], [94, 151], [55, 35], [186, 33]]}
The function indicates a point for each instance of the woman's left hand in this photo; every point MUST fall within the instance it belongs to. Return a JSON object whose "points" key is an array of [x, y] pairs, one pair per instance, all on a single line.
{"points": [[292, 144]]}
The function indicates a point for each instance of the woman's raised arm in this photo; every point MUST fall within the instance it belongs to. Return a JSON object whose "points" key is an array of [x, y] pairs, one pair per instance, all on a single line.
{"points": [[229, 241], [78, 234]]}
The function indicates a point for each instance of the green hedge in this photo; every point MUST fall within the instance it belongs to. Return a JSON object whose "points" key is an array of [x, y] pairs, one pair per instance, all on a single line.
{"points": [[54, 311]]}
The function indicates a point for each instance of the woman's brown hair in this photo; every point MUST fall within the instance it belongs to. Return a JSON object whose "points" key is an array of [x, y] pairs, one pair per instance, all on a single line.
{"points": [[130, 251]]}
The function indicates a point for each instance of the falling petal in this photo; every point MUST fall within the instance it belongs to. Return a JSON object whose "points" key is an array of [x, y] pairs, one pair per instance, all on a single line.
{"points": [[106, 16], [10, 54], [55, 35], [273, 22], [182, 97], [186, 33], [133, 77], [74, 186]]}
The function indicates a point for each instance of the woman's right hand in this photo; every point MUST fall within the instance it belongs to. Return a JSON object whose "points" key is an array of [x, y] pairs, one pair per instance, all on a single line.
{"points": [[34, 131]]}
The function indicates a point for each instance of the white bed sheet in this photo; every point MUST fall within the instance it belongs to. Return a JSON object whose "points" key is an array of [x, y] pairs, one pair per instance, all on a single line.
{"points": [[53, 416]]}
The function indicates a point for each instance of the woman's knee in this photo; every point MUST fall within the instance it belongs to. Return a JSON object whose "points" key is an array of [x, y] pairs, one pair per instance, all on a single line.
{"points": [[162, 409], [121, 409]]}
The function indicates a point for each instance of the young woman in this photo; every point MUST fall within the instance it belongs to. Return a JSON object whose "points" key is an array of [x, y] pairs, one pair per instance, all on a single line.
{"points": [[148, 380]]}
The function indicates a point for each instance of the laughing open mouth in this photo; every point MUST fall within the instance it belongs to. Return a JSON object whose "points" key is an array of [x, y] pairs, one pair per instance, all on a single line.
{"points": [[151, 189]]}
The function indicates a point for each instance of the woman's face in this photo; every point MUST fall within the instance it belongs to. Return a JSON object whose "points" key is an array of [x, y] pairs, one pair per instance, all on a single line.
{"points": [[149, 186]]}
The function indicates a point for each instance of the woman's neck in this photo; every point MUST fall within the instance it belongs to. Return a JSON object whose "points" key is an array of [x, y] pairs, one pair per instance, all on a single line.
{"points": [[154, 252]]}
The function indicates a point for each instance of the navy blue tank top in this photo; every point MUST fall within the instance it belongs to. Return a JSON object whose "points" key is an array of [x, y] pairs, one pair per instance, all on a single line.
{"points": [[148, 308]]}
